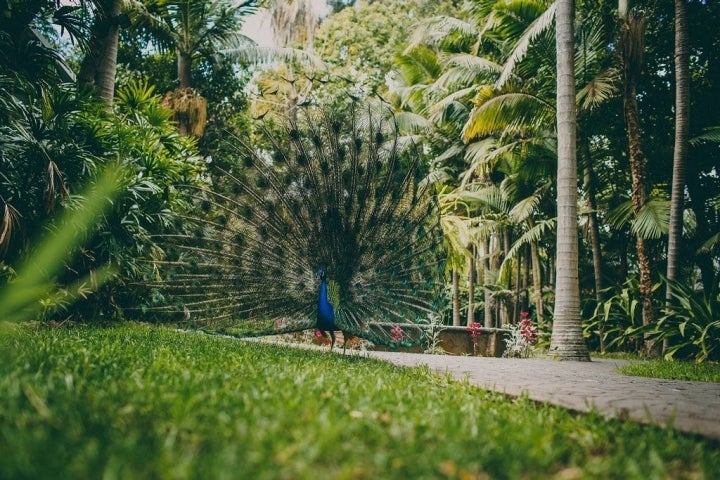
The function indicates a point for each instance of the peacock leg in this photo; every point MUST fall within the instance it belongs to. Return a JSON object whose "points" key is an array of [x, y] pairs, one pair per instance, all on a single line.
{"points": [[332, 337]]}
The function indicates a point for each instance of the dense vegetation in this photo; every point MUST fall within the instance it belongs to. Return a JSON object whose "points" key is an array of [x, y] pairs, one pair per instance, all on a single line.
{"points": [[145, 402], [475, 84]]}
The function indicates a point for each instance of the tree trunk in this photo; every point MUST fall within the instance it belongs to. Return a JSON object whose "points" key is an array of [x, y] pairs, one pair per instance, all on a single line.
{"points": [[472, 272], [566, 342], [682, 128], [487, 293], [184, 69], [99, 66], [537, 283], [633, 32], [456, 297]]}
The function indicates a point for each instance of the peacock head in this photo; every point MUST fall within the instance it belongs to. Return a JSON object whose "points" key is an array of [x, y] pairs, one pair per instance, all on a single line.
{"points": [[321, 273]]}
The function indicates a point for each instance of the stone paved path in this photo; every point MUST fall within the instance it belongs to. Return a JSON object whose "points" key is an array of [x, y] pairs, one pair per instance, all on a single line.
{"points": [[581, 386]]}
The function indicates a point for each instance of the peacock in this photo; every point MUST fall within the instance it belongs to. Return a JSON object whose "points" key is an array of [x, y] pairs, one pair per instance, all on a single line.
{"points": [[326, 324], [322, 221]]}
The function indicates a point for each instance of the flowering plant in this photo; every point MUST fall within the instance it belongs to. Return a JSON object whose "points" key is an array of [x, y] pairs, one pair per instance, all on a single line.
{"points": [[474, 330], [527, 329], [522, 338]]}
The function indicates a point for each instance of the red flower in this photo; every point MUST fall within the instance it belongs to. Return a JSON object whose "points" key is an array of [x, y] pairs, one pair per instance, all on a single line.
{"points": [[474, 329], [528, 330]]}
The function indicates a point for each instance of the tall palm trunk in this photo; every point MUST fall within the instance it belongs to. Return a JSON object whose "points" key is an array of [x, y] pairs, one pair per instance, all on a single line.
{"points": [[99, 66], [456, 297], [682, 117], [537, 283], [566, 342], [472, 273], [485, 249], [633, 33]]}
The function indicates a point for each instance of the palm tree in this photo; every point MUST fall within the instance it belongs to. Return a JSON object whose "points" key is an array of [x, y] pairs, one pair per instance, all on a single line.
{"points": [[567, 339], [682, 116], [193, 29], [632, 46]]}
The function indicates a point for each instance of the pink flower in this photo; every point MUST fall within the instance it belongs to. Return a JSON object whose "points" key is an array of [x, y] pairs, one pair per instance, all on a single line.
{"points": [[474, 329], [397, 334], [527, 329], [318, 333]]}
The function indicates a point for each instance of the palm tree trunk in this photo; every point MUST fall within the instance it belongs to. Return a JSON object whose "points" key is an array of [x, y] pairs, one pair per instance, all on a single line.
{"points": [[537, 283], [184, 69], [633, 31], [456, 297], [566, 342], [487, 293], [472, 273], [99, 66], [682, 117]]}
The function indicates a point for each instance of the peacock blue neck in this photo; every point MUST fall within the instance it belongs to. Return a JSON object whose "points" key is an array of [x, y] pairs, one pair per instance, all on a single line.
{"points": [[326, 313], [323, 292]]}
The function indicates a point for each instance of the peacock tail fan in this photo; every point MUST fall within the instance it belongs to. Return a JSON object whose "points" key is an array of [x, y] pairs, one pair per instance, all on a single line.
{"points": [[333, 189]]}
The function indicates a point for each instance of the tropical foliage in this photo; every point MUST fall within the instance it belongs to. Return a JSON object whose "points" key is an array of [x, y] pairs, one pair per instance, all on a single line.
{"points": [[484, 83], [55, 140]]}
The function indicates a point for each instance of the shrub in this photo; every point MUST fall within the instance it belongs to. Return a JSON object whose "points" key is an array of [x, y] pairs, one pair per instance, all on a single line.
{"points": [[691, 323], [616, 322]]}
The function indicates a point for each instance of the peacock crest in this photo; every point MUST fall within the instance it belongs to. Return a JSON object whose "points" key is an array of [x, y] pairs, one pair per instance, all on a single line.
{"points": [[338, 190]]}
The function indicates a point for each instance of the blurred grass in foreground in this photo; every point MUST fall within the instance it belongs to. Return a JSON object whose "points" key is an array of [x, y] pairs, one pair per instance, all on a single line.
{"points": [[34, 286], [136, 401]]}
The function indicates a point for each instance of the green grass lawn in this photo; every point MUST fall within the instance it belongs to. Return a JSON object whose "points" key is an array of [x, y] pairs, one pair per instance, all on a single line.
{"points": [[143, 402], [674, 370], [641, 366]]}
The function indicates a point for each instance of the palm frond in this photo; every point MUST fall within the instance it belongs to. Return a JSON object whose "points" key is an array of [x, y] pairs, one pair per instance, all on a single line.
{"points": [[222, 29], [621, 216], [413, 98], [481, 157], [653, 219], [419, 65], [532, 235], [591, 55], [599, 89], [454, 150], [438, 29], [524, 208], [542, 24], [710, 243], [412, 122], [10, 223], [711, 134], [451, 108], [508, 113], [651, 222], [471, 62], [466, 70], [487, 197]]}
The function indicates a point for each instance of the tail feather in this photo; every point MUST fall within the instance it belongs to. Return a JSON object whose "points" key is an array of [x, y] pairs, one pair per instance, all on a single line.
{"points": [[330, 189]]}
